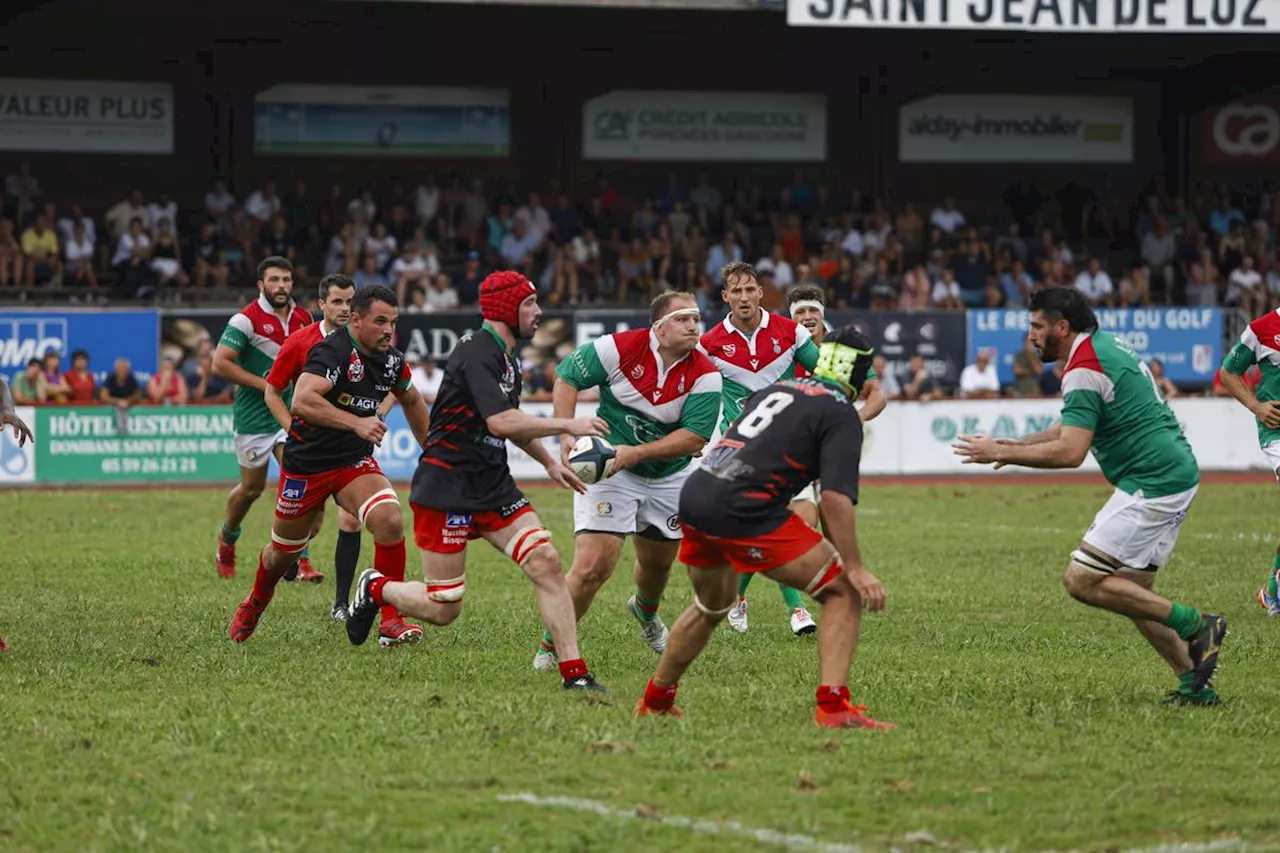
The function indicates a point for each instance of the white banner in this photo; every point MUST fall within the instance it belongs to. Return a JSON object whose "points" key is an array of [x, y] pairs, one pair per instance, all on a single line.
{"points": [[18, 464], [86, 115], [1016, 129], [1208, 17], [699, 126]]}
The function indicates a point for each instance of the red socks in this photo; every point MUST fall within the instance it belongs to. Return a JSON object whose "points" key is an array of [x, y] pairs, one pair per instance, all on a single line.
{"points": [[388, 560], [659, 698], [570, 669], [264, 584], [833, 698]]}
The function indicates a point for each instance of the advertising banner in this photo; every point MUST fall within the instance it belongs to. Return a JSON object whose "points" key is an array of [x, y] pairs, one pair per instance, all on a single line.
{"points": [[1016, 129], [701, 126], [937, 337], [395, 121], [1242, 133], [18, 464], [156, 444], [1187, 340], [105, 334], [97, 116], [1204, 17]]}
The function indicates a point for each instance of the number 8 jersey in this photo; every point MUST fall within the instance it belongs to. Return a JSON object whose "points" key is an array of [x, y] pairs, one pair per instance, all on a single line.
{"points": [[790, 434]]}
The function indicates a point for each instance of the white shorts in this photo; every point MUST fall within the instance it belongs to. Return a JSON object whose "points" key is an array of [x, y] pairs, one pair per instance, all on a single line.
{"points": [[1139, 532], [254, 451], [1272, 452], [809, 494], [626, 504]]}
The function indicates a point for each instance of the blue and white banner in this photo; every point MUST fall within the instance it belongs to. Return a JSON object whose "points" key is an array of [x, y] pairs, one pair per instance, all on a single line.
{"points": [[396, 121], [1187, 340], [105, 335]]}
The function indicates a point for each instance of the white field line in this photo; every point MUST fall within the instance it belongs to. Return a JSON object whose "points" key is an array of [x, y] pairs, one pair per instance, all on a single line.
{"points": [[797, 841]]}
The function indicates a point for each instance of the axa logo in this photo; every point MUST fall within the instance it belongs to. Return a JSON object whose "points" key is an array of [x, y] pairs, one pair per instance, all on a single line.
{"points": [[613, 124]]}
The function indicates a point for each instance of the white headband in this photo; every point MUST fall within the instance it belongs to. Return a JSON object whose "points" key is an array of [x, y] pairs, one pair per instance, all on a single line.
{"points": [[807, 303], [679, 312]]}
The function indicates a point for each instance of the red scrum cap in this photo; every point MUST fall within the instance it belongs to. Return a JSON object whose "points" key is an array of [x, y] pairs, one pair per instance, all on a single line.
{"points": [[501, 294]]}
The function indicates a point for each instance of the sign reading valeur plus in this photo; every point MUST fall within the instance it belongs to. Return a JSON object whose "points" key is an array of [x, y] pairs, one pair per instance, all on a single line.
{"points": [[699, 126], [1086, 16]]}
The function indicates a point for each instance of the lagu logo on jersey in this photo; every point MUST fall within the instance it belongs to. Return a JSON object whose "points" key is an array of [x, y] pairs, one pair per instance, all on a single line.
{"points": [[359, 404]]}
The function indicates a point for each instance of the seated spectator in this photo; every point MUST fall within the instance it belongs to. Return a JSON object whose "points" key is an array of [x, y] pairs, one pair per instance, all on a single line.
{"points": [[28, 386], [211, 257], [410, 271], [539, 388], [78, 251], [721, 254], [168, 387], [1016, 285], [1245, 288], [1135, 292], [369, 275], [1167, 388], [972, 271], [920, 384], [67, 225], [205, 385], [1203, 281], [121, 215], [80, 380], [881, 289], [1159, 251], [132, 259], [440, 294], [947, 218], [41, 259], [166, 257], [164, 210], [468, 281], [916, 290], [263, 204], [121, 387], [55, 384], [946, 292], [426, 376], [1027, 370], [1051, 379], [634, 271], [276, 239], [218, 204], [888, 382], [10, 255], [980, 381], [1096, 285], [518, 248], [381, 245]]}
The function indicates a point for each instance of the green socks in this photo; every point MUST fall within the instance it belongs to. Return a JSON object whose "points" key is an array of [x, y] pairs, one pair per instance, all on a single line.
{"points": [[1187, 621], [229, 536], [744, 581], [1275, 570], [545, 644], [790, 595], [306, 553], [645, 610]]}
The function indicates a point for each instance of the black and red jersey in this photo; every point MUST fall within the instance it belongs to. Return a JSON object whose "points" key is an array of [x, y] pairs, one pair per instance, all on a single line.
{"points": [[360, 382], [789, 434], [463, 467]]}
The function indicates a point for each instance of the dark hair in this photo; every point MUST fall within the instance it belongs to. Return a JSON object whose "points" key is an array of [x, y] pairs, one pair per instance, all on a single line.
{"points": [[737, 268], [35, 362], [338, 280], [365, 297], [1064, 303], [275, 262], [662, 302], [806, 292], [79, 354]]}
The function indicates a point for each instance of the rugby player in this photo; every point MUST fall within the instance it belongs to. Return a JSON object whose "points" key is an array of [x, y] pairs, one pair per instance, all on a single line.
{"points": [[463, 487], [336, 292], [661, 400], [733, 511], [244, 355], [329, 452], [21, 434], [752, 349], [1110, 402], [1260, 344]]}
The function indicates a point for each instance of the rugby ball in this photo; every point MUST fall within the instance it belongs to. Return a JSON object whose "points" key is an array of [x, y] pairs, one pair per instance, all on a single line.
{"points": [[590, 459]]}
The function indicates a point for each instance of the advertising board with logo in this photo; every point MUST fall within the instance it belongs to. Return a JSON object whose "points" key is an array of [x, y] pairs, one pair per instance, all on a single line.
{"points": [[1188, 341], [18, 464], [394, 121], [105, 335], [1081, 16], [937, 337], [1016, 129], [700, 126], [99, 116], [1243, 133]]}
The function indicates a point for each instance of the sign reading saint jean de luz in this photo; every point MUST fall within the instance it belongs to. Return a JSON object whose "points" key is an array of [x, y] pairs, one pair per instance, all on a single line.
{"points": [[1083, 16]]}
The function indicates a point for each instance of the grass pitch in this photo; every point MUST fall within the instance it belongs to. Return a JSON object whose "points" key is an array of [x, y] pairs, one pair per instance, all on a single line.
{"points": [[128, 720]]}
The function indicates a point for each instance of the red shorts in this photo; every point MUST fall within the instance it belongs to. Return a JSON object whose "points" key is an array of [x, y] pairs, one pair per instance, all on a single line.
{"points": [[789, 542], [442, 532], [302, 494]]}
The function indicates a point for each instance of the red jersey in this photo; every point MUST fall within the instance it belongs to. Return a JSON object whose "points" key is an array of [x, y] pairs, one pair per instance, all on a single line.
{"points": [[293, 354], [82, 387]]}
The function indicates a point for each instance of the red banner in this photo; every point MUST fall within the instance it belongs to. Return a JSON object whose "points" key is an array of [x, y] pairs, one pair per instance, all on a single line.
{"points": [[1242, 133]]}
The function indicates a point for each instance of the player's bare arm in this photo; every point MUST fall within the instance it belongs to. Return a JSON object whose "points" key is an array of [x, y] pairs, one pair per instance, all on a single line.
{"points": [[310, 405], [841, 519], [9, 416], [1050, 434], [518, 426], [874, 401], [275, 403], [1268, 412], [415, 412], [388, 403], [564, 405], [1068, 450], [225, 367], [682, 442]]}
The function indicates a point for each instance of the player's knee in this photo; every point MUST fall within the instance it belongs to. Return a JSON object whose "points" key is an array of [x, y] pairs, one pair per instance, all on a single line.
{"points": [[594, 573], [252, 491], [348, 523], [1083, 575], [443, 613], [543, 565], [712, 608], [386, 523]]}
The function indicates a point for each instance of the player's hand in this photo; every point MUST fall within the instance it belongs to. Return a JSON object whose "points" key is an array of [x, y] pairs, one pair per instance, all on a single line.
{"points": [[565, 478], [1268, 413], [977, 449], [869, 588], [371, 430], [594, 427], [625, 457], [566, 447], [21, 432]]}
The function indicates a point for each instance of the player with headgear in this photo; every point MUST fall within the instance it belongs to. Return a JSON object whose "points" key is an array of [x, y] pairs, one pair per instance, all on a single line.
{"points": [[463, 487], [735, 517]]}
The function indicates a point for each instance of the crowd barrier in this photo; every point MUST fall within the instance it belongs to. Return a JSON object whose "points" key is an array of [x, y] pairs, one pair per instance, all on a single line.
{"points": [[84, 446]]}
